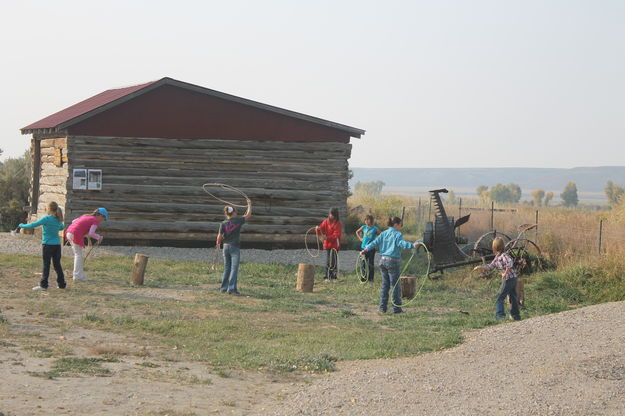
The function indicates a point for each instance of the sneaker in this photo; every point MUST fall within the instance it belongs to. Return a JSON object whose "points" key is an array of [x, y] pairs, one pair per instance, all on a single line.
{"points": [[398, 311], [80, 279], [40, 288], [61, 287], [234, 292]]}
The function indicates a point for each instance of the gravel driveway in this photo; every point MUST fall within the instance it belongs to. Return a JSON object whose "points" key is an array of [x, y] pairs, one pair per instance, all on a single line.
{"points": [[28, 244], [570, 363]]}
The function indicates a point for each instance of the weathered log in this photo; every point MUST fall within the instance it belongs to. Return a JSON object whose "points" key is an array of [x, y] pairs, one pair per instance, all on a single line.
{"points": [[207, 143], [208, 237], [123, 206], [407, 286], [138, 268], [305, 278], [196, 227]]}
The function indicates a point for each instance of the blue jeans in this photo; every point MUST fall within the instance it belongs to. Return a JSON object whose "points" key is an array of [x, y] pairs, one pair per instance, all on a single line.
{"points": [[508, 288], [390, 275], [232, 257]]}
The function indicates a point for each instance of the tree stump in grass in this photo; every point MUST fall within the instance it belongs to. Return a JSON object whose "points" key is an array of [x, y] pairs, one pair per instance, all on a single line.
{"points": [[305, 277], [407, 286], [138, 268]]}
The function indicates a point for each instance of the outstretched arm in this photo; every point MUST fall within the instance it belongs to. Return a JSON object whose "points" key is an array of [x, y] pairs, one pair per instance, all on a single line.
{"points": [[248, 212]]}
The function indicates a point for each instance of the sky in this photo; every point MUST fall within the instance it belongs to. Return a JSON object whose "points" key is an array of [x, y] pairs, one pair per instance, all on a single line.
{"points": [[480, 83]]}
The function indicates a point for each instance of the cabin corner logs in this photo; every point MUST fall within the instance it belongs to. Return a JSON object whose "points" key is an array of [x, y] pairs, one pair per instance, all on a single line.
{"points": [[153, 187]]}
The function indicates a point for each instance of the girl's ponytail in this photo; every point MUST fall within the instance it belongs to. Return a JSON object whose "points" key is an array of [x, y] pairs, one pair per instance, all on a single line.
{"points": [[393, 220], [54, 208]]}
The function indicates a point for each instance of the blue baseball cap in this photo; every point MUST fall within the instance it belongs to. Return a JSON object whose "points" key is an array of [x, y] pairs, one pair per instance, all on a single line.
{"points": [[104, 212]]}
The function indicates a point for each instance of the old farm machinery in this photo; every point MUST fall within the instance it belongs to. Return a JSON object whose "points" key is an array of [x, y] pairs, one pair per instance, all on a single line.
{"points": [[440, 239]]}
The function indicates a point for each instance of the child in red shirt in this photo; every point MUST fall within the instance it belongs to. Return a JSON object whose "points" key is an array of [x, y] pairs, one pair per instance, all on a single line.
{"points": [[331, 231]]}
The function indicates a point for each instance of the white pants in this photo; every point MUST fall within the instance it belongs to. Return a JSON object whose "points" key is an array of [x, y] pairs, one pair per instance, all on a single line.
{"points": [[79, 258]]}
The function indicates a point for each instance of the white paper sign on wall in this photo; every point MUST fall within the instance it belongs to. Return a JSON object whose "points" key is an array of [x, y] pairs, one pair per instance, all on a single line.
{"points": [[95, 179], [79, 179]]}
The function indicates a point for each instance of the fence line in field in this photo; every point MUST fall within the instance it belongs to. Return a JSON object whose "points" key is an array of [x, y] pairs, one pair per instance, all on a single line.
{"points": [[595, 236]]}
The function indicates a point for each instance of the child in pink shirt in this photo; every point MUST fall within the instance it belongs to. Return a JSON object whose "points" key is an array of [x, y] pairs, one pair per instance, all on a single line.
{"points": [[85, 225]]}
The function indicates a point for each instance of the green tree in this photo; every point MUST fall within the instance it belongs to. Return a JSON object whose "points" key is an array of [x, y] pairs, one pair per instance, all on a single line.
{"points": [[510, 193], [569, 195], [548, 198], [369, 188], [515, 192], [538, 196], [500, 193], [14, 190], [482, 192], [452, 198], [613, 192]]}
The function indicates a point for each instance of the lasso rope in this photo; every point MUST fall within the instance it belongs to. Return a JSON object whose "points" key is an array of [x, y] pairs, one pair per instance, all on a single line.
{"points": [[215, 258], [228, 188], [334, 254], [362, 268], [425, 277], [306, 243], [92, 247]]}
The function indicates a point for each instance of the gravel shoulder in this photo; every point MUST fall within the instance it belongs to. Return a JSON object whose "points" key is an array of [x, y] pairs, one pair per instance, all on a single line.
{"points": [[570, 363], [29, 244]]}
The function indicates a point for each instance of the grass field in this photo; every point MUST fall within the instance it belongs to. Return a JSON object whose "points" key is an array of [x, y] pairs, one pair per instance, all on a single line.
{"points": [[272, 326]]}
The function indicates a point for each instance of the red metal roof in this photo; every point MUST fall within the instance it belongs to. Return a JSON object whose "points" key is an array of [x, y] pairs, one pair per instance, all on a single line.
{"points": [[83, 107]]}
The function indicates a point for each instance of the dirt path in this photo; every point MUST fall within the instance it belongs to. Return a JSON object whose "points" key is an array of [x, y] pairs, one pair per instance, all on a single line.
{"points": [[142, 379]]}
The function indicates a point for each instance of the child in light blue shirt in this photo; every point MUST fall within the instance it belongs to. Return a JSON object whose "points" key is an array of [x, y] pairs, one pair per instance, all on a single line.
{"points": [[51, 245], [390, 242], [366, 234]]}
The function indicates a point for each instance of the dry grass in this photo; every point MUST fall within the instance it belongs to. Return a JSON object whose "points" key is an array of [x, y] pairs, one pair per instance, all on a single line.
{"points": [[566, 236]]}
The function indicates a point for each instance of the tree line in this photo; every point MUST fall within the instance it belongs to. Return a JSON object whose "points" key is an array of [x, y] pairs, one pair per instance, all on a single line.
{"points": [[14, 190]]}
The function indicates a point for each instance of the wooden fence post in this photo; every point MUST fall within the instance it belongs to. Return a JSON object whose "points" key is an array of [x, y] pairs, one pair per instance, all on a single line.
{"points": [[600, 233], [138, 268], [536, 229]]}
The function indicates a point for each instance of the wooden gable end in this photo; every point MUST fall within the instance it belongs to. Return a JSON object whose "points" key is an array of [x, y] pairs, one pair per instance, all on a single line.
{"points": [[177, 113]]}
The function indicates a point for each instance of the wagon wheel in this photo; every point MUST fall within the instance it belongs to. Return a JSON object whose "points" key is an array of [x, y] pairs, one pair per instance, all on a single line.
{"points": [[484, 245], [526, 255]]}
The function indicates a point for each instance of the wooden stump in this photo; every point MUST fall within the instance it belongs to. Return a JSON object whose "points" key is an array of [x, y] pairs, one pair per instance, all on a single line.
{"points": [[407, 286], [305, 277], [138, 268]]}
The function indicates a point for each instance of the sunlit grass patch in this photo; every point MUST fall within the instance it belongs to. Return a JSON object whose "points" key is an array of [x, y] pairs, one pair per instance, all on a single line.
{"points": [[73, 366]]}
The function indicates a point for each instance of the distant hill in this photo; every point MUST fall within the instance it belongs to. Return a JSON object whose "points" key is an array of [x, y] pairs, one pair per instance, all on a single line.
{"points": [[590, 181]]}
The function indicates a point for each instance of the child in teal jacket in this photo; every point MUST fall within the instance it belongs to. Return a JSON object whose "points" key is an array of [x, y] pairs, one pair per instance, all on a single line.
{"points": [[51, 245]]}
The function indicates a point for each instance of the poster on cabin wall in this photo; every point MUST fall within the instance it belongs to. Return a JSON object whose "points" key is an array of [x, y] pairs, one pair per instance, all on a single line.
{"points": [[79, 179], [94, 179]]}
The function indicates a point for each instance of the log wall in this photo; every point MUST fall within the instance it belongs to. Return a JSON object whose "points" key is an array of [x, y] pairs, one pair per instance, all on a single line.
{"points": [[153, 187]]}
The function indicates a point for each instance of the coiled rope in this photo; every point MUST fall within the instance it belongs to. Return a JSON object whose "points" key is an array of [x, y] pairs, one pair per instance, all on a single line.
{"points": [[423, 280], [92, 246], [318, 243], [227, 188], [362, 268]]}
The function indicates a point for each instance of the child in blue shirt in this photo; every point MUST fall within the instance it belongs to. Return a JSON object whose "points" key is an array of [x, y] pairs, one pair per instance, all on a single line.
{"points": [[51, 245], [367, 233], [390, 243]]}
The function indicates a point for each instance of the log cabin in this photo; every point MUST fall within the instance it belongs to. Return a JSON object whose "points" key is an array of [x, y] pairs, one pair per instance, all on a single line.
{"points": [[144, 151]]}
